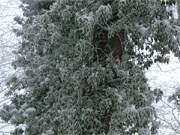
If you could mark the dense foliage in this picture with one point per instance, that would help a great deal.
(64, 90)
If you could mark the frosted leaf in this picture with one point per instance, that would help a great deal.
(24, 105)
(122, 0)
(25, 115)
(30, 110)
(16, 118)
(104, 13)
(89, 110)
(47, 80)
(48, 132)
(144, 131)
(142, 29)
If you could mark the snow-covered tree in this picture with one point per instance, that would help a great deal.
(73, 83)
(178, 9)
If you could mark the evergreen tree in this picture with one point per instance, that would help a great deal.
(72, 86)
(178, 10)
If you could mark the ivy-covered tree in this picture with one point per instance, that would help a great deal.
(72, 82)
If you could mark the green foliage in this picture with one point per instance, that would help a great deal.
(64, 91)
